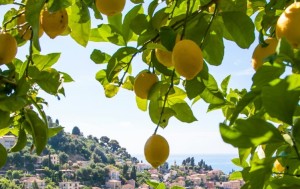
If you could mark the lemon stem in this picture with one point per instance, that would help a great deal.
(12, 19)
(186, 18)
(29, 59)
(165, 101)
(209, 25)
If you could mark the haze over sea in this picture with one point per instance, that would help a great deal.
(217, 161)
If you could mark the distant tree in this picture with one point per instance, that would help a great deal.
(57, 122)
(184, 162)
(114, 145)
(16, 174)
(76, 131)
(125, 171)
(63, 157)
(104, 139)
(192, 162)
(96, 139)
(90, 137)
(133, 173)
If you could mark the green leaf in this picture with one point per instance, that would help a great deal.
(245, 101)
(54, 131)
(194, 87)
(280, 101)
(128, 83)
(49, 79)
(80, 23)
(4, 2)
(265, 74)
(66, 77)
(21, 142)
(243, 36)
(3, 157)
(33, 9)
(224, 84)
(116, 22)
(110, 90)
(183, 112)
(99, 57)
(119, 60)
(107, 33)
(137, 1)
(45, 61)
(159, 67)
(4, 119)
(12, 103)
(55, 5)
(156, 114)
(138, 9)
(296, 130)
(39, 130)
(142, 104)
(249, 133)
(139, 24)
(211, 94)
(213, 49)
(237, 175)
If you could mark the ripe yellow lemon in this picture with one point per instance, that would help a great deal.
(156, 150)
(24, 30)
(164, 57)
(110, 7)
(288, 25)
(187, 58)
(278, 167)
(260, 53)
(54, 23)
(8, 47)
(143, 84)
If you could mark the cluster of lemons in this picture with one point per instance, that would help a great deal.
(52, 23)
(287, 27)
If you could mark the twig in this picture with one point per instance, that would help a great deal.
(209, 25)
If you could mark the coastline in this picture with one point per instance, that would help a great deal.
(217, 161)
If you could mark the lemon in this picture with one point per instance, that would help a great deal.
(156, 150)
(187, 58)
(288, 25)
(260, 52)
(8, 47)
(110, 7)
(164, 57)
(54, 23)
(25, 30)
(143, 84)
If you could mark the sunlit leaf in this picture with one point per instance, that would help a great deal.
(54, 131)
(80, 23)
(110, 90)
(4, 2)
(33, 9)
(55, 5)
(39, 130)
(183, 112)
(45, 61)
(66, 77)
(235, 175)
(142, 104)
(224, 84)
(107, 33)
(99, 57)
(243, 36)
(12, 103)
(128, 83)
(249, 133)
(21, 142)
(128, 18)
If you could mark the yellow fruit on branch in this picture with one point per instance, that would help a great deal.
(260, 53)
(110, 7)
(24, 29)
(187, 58)
(288, 25)
(8, 48)
(164, 57)
(54, 23)
(156, 150)
(143, 83)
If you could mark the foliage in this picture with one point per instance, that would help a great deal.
(262, 123)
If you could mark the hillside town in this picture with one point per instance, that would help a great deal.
(186, 176)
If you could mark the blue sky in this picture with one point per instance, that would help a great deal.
(86, 106)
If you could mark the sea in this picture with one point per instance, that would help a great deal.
(217, 161)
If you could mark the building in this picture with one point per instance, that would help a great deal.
(29, 181)
(233, 184)
(8, 141)
(54, 158)
(113, 184)
(68, 185)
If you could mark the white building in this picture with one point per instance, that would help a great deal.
(8, 141)
(68, 185)
(28, 182)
